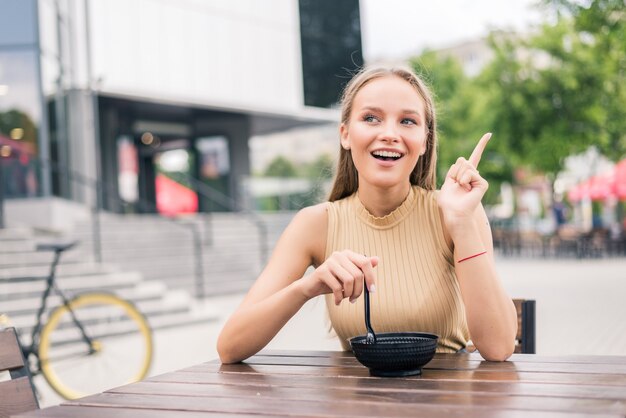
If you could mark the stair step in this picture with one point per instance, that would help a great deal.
(15, 233)
(143, 291)
(37, 258)
(164, 251)
(76, 284)
(161, 319)
(150, 308)
(181, 320)
(25, 273)
(16, 246)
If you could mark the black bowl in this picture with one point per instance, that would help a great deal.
(395, 354)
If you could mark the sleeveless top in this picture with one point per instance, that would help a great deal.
(417, 289)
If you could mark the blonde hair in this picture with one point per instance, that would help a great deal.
(346, 180)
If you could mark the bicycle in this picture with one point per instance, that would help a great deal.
(85, 336)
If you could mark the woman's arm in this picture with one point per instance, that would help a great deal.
(275, 296)
(491, 315)
(280, 291)
(490, 312)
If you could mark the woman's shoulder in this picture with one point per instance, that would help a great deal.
(314, 213)
(311, 224)
(311, 219)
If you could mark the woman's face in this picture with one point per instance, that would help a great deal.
(386, 132)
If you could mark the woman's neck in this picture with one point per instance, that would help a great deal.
(380, 202)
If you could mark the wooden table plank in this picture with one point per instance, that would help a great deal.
(372, 398)
(437, 374)
(334, 384)
(533, 358)
(75, 411)
(410, 385)
(451, 363)
(269, 406)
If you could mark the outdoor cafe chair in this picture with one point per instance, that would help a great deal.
(17, 395)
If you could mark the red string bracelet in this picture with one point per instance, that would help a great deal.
(471, 256)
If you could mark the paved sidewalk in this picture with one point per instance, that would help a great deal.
(580, 303)
(580, 310)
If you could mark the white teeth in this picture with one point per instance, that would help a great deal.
(387, 154)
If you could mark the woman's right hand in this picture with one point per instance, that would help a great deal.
(342, 274)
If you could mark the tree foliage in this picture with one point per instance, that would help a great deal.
(544, 97)
(320, 169)
(14, 118)
(562, 90)
(463, 116)
(281, 167)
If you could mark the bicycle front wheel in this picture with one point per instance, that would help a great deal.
(117, 349)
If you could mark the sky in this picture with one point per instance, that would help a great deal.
(395, 29)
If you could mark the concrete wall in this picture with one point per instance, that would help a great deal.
(229, 54)
(46, 213)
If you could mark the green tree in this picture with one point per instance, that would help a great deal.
(322, 168)
(463, 116)
(544, 97)
(14, 118)
(280, 167)
(568, 93)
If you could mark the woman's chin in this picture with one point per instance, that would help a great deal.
(385, 182)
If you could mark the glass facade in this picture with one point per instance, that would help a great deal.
(67, 118)
(213, 165)
(35, 74)
(56, 72)
(20, 99)
(330, 34)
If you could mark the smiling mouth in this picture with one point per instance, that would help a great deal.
(386, 155)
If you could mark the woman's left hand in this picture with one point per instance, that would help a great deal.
(463, 188)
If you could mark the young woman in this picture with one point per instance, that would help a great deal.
(426, 255)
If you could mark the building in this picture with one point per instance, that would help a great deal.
(100, 97)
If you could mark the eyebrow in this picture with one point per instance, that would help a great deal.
(404, 111)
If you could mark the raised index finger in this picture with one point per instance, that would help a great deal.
(474, 159)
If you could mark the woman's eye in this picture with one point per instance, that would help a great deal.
(409, 121)
(370, 118)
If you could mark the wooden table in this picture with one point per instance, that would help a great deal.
(324, 383)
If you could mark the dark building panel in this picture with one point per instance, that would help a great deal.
(330, 34)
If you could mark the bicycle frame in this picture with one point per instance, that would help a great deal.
(33, 348)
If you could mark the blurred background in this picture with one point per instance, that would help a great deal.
(176, 139)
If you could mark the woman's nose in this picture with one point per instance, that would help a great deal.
(390, 133)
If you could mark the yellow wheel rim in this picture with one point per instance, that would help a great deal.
(81, 301)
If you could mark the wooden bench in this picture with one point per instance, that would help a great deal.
(17, 395)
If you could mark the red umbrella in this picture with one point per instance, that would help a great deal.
(580, 191)
(620, 180)
(573, 194)
(602, 186)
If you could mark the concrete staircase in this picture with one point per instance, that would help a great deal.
(163, 250)
(22, 279)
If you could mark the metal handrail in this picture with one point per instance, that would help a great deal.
(106, 191)
(227, 202)
(99, 188)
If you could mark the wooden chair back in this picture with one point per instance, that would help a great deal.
(525, 339)
(17, 395)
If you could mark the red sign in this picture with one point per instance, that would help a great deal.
(173, 198)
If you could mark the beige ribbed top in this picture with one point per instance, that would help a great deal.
(417, 288)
